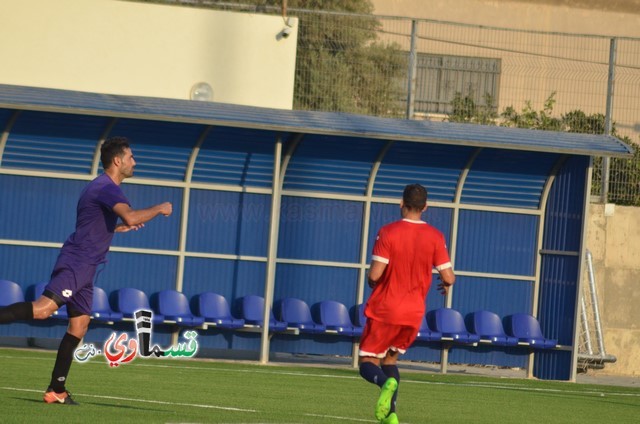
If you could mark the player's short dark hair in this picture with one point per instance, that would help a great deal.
(414, 197)
(112, 147)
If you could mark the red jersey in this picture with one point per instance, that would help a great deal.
(411, 249)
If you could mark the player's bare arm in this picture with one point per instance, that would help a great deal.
(447, 278)
(134, 218)
(375, 272)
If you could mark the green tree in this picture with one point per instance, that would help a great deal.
(465, 110)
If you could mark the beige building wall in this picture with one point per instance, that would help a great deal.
(613, 237)
(535, 65)
(129, 48)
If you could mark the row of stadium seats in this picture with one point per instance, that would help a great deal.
(295, 316)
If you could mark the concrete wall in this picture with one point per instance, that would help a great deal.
(613, 237)
(120, 47)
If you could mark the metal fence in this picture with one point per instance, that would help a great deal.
(426, 69)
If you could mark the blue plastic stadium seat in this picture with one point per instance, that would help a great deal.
(215, 310)
(296, 313)
(488, 326)
(10, 293)
(128, 300)
(335, 316)
(101, 310)
(526, 329)
(61, 313)
(175, 307)
(360, 317)
(450, 323)
(252, 307)
(426, 334)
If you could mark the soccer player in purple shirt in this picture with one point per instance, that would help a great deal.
(100, 205)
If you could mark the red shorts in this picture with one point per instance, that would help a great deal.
(379, 337)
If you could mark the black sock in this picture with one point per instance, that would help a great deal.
(372, 373)
(392, 371)
(68, 345)
(20, 311)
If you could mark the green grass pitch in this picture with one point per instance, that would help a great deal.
(205, 391)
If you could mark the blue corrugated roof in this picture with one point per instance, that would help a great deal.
(337, 124)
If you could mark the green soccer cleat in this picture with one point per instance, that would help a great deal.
(384, 401)
(391, 419)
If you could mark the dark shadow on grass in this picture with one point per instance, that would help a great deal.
(81, 403)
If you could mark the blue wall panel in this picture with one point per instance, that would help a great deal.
(161, 149)
(503, 297)
(229, 222)
(53, 142)
(558, 286)
(26, 265)
(332, 164)
(236, 156)
(437, 167)
(38, 209)
(563, 226)
(508, 178)
(496, 242)
(149, 273)
(5, 115)
(229, 278)
(320, 229)
(159, 233)
(316, 283)
(559, 279)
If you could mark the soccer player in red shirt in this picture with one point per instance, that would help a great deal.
(404, 254)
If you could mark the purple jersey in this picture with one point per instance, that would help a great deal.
(95, 222)
(73, 274)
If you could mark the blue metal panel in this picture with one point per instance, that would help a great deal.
(316, 283)
(484, 355)
(564, 216)
(558, 287)
(332, 164)
(5, 114)
(38, 209)
(27, 265)
(159, 233)
(508, 178)
(228, 222)
(559, 279)
(229, 278)
(435, 166)
(161, 149)
(384, 213)
(236, 156)
(344, 124)
(53, 142)
(503, 297)
(496, 242)
(149, 273)
(320, 229)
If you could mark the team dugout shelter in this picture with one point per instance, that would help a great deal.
(281, 203)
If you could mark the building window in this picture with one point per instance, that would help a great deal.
(440, 77)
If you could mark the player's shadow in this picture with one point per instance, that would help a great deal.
(107, 405)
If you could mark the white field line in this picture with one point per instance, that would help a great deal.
(158, 402)
(274, 371)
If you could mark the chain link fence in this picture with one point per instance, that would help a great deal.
(425, 69)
